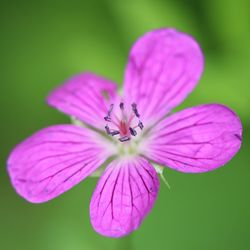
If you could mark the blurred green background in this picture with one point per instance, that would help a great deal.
(45, 42)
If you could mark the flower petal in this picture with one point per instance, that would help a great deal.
(55, 159)
(125, 194)
(86, 97)
(197, 139)
(163, 68)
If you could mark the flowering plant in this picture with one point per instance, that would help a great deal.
(123, 137)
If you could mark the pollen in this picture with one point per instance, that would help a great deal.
(123, 121)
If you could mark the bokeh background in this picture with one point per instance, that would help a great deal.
(45, 42)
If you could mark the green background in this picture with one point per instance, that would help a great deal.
(45, 42)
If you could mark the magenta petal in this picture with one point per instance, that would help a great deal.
(86, 97)
(124, 195)
(197, 139)
(163, 68)
(53, 160)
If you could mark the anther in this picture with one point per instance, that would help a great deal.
(116, 132)
(122, 106)
(107, 118)
(132, 131)
(134, 108)
(107, 129)
(110, 109)
(140, 125)
(123, 139)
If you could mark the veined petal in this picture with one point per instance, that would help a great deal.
(163, 68)
(86, 97)
(55, 159)
(197, 139)
(124, 195)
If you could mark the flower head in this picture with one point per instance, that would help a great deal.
(135, 130)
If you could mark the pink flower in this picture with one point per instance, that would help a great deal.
(126, 135)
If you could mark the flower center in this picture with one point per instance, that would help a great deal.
(124, 122)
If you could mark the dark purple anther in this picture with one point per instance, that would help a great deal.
(140, 125)
(110, 109)
(133, 105)
(136, 113)
(116, 132)
(107, 129)
(134, 108)
(122, 106)
(107, 119)
(132, 131)
(123, 139)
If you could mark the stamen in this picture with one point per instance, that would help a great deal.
(134, 108)
(116, 132)
(140, 124)
(122, 106)
(124, 124)
(132, 131)
(107, 129)
(107, 119)
(123, 139)
(110, 109)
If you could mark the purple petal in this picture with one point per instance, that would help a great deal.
(163, 68)
(86, 97)
(197, 139)
(55, 159)
(125, 194)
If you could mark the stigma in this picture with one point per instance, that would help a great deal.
(123, 121)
